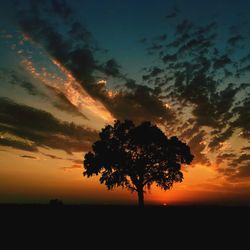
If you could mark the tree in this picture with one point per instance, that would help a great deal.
(134, 157)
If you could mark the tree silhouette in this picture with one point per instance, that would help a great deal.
(134, 157)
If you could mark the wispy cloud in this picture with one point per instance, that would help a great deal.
(70, 168)
(29, 157)
(38, 128)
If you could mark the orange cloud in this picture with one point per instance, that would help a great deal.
(68, 86)
(75, 166)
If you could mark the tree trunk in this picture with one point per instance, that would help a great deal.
(140, 197)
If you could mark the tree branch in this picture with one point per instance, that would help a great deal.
(147, 181)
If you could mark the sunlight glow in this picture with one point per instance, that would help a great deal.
(167, 106)
(69, 87)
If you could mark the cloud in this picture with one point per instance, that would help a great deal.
(53, 96)
(8, 142)
(200, 69)
(241, 159)
(80, 33)
(15, 78)
(234, 40)
(243, 117)
(41, 129)
(75, 161)
(173, 13)
(54, 157)
(245, 59)
(221, 62)
(61, 102)
(244, 70)
(141, 104)
(184, 27)
(74, 52)
(203, 30)
(241, 173)
(245, 148)
(200, 44)
(221, 158)
(216, 141)
(81, 63)
(153, 48)
(237, 168)
(197, 145)
(111, 68)
(29, 157)
(61, 8)
(169, 58)
(155, 71)
(73, 167)
(191, 60)
(161, 38)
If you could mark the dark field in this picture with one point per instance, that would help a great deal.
(124, 226)
(123, 213)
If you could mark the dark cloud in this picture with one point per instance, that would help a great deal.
(245, 58)
(141, 104)
(169, 58)
(184, 27)
(112, 68)
(30, 88)
(57, 99)
(221, 62)
(75, 55)
(199, 69)
(186, 132)
(80, 34)
(238, 169)
(138, 103)
(41, 129)
(222, 137)
(192, 64)
(179, 40)
(220, 158)
(155, 71)
(235, 40)
(61, 102)
(161, 38)
(54, 157)
(154, 47)
(29, 157)
(15, 78)
(206, 29)
(244, 70)
(246, 148)
(200, 44)
(242, 158)
(197, 145)
(243, 117)
(77, 161)
(211, 108)
(80, 61)
(8, 142)
(242, 173)
(172, 14)
(61, 8)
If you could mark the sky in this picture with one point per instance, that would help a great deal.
(68, 68)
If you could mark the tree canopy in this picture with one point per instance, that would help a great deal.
(135, 157)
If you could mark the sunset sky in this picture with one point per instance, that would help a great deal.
(68, 68)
